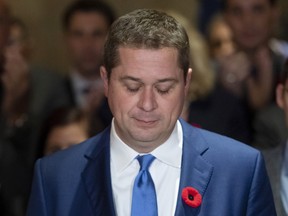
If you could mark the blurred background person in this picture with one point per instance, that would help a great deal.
(29, 95)
(86, 24)
(220, 39)
(63, 128)
(254, 68)
(208, 105)
(276, 158)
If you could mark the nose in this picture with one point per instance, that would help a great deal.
(147, 100)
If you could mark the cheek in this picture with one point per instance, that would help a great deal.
(118, 100)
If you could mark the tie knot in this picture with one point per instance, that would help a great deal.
(145, 161)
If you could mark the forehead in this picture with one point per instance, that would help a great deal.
(163, 56)
(88, 18)
(149, 63)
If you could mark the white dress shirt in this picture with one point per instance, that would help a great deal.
(79, 83)
(165, 172)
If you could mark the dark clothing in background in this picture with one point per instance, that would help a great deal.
(223, 113)
(19, 143)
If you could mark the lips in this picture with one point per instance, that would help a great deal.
(145, 122)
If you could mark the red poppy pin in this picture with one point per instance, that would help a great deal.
(191, 197)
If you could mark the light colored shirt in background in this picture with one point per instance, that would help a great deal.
(79, 84)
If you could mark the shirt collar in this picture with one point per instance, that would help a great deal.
(79, 82)
(170, 152)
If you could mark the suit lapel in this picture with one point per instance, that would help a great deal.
(97, 177)
(195, 171)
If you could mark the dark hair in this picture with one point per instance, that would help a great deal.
(224, 3)
(62, 116)
(150, 29)
(88, 6)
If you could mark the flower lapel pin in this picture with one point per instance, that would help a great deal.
(191, 197)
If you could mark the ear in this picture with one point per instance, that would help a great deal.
(104, 76)
(280, 95)
(188, 80)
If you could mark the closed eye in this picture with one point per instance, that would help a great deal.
(162, 91)
(133, 90)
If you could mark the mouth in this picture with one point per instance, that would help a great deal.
(145, 122)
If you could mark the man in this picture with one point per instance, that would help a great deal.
(254, 69)
(146, 77)
(276, 158)
(86, 24)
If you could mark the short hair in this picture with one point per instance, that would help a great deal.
(88, 6)
(224, 3)
(149, 29)
(61, 117)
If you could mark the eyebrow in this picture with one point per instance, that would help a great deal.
(139, 80)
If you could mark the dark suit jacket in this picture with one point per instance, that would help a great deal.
(230, 176)
(19, 145)
(223, 113)
(274, 158)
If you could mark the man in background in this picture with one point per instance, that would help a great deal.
(29, 94)
(254, 69)
(277, 158)
(85, 25)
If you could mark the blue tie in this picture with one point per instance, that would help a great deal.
(144, 201)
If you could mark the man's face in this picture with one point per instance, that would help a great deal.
(251, 22)
(146, 93)
(282, 98)
(85, 40)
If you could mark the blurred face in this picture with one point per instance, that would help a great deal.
(85, 41)
(17, 40)
(251, 22)
(146, 93)
(221, 41)
(282, 98)
(65, 136)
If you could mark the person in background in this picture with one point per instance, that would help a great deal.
(65, 127)
(30, 93)
(184, 170)
(208, 105)
(276, 158)
(254, 68)
(85, 25)
(220, 39)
